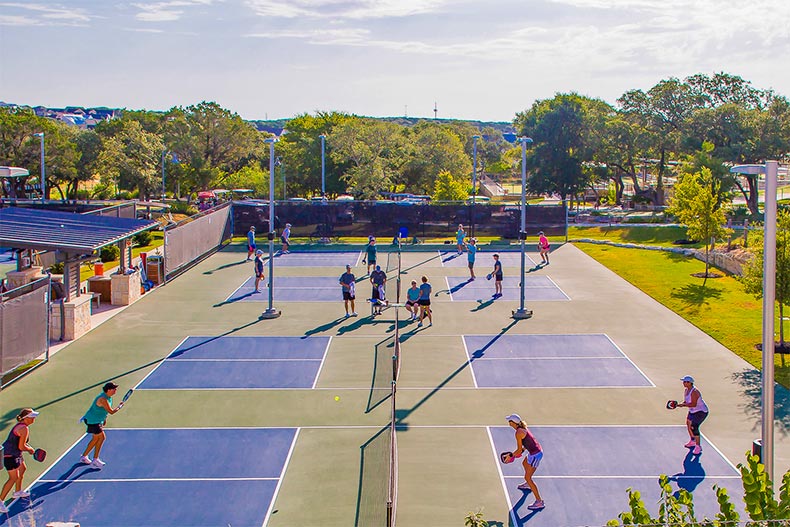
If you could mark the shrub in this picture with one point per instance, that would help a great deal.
(142, 239)
(56, 268)
(110, 253)
(182, 207)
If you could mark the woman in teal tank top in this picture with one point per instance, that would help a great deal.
(95, 418)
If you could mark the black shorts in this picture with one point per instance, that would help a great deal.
(411, 303)
(471, 265)
(259, 275)
(283, 240)
(696, 418)
(376, 294)
(95, 429)
(372, 262)
(12, 462)
(347, 296)
(424, 302)
(498, 277)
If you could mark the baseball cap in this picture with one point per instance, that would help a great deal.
(287, 224)
(513, 417)
(378, 268)
(110, 386)
(688, 378)
(259, 252)
(252, 227)
(27, 412)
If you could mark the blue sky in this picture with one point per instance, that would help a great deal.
(474, 59)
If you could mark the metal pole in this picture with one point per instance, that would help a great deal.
(474, 184)
(271, 312)
(164, 153)
(40, 135)
(323, 165)
(522, 312)
(769, 299)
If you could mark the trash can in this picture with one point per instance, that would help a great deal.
(98, 269)
(154, 268)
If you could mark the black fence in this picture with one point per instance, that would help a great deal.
(338, 219)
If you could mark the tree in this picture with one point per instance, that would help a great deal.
(432, 148)
(131, 158)
(374, 150)
(448, 188)
(752, 278)
(696, 206)
(561, 129)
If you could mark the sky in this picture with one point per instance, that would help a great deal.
(272, 59)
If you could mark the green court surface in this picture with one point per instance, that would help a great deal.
(446, 464)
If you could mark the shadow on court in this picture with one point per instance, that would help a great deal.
(142, 367)
(751, 387)
(323, 327)
(226, 266)
(692, 475)
(237, 298)
(482, 305)
(41, 491)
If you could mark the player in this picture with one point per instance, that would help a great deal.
(543, 247)
(412, 296)
(498, 276)
(285, 238)
(95, 419)
(425, 302)
(378, 279)
(250, 242)
(370, 253)
(13, 461)
(471, 252)
(526, 441)
(698, 412)
(459, 238)
(347, 281)
(258, 270)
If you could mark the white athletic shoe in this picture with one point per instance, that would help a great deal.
(98, 463)
(85, 460)
(22, 494)
(354, 314)
(3, 508)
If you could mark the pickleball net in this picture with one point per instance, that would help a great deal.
(378, 489)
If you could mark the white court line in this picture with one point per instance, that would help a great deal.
(629, 360)
(280, 479)
(469, 362)
(552, 358)
(161, 362)
(513, 518)
(653, 477)
(359, 258)
(237, 289)
(148, 480)
(244, 360)
(558, 287)
(323, 359)
(449, 289)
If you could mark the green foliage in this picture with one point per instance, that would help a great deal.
(109, 253)
(142, 239)
(475, 519)
(448, 188)
(758, 490)
(57, 268)
(182, 207)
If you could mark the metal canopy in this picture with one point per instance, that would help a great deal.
(22, 228)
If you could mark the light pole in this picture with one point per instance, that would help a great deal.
(40, 135)
(771, 171)
(323, 165)
(270, 311)
(474, 184)
(164, 153)
(522, 312)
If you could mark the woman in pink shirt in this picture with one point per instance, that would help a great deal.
(543, 247)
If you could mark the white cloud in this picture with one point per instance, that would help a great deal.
(168, 11)
(40, 14)
(351, 9)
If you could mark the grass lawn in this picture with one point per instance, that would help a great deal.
(721, 308)
(663, 236)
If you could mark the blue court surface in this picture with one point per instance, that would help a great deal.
(548, 361)
(240, 363)
(484, 261)
(165, 477)
(586, 470)
(295, 289)
(314, 259)
(535, 288)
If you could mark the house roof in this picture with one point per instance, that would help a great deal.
(27, 228)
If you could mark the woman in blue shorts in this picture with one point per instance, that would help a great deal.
(526, 441)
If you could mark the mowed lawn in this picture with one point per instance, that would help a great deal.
(720, 308)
